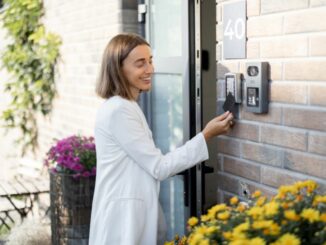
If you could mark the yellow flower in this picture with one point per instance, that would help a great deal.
(261, 201)
(271, 208)
(256, 194)
(287, 189)
(288, 239)
(310, 214)
(310, 185)
(227, 235)
(319, 199)
(323, 217)
(255, 212)
(260, 224)
(234, 200)
(240, 242)
(241, 207)
(291, 215)
(193, 221)
(204, 242)
(204, 218)
(257, 241)
(224, 215)
(195, 238)
(212, 211)
(212, 229)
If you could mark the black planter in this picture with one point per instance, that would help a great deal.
(71, 204)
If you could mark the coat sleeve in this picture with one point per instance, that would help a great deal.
(129, 132)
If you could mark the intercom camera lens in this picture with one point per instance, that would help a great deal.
(252, 71)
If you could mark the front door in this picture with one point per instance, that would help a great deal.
(167, 107)
(183, 96)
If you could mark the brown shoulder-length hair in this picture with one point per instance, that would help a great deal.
(111, 80)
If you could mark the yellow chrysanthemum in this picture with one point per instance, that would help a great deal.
(204, 218)
(310, 214)
(204, 242)
(319, 199)
(261, 201)
(212, 229)
(261, 224)
(240, 242)
(310, 185)
(255, 212)
(241, 207)
(271, 208)
(195, 238)
(323, 217)
(212, 211)
(234, 200)
(257, 241)
(227, 235)
(287, 189)
(291, 215)
(224, 215)
(288, 239)
(256, 194)
(193, 221)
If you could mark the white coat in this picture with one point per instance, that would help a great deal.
(126, 210)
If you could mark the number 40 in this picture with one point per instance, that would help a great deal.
(235, 28)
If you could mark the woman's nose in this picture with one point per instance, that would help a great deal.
(150, 68)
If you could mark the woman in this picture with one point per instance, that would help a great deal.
(126, 209)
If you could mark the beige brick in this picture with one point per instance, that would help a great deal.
(245, 131)
(268, 6)
(305, 70)
(219, 32)
(276, 71)
(274, 115)
(317, 143)
(305, 118)
(253, 49)
(317, 94)
(309, 20)
(284, 47)
(228, 146)
(218, 13)
(289, 92)
(227, 183)
(265, 190)
(318, 45)
(306, 163)
(253, 7)
(314, 3)
(224, 67)
(279, 136)
(276, 177)
(241, 168)
(257, 27)
(262, 153)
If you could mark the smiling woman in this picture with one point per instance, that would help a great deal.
(126, 208)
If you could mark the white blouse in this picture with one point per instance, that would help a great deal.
(126, 210)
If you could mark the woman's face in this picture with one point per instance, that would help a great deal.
(138, 69)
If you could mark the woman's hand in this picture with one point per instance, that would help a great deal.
(218, 125)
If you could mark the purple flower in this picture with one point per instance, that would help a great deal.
(74, 155)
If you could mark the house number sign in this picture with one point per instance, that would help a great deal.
(234, 30)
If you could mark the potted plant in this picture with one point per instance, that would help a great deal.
(72, 168)
(296, 215)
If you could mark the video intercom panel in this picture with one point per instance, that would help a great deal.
(256, 76)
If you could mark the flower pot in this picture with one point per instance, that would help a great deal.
(71, 204)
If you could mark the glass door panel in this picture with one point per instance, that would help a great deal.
(168, 102)
(167, 127)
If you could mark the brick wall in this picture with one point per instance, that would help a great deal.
(288, 144)
(85, 28)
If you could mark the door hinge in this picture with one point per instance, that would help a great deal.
(142, 10)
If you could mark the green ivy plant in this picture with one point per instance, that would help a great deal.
(30, 59)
